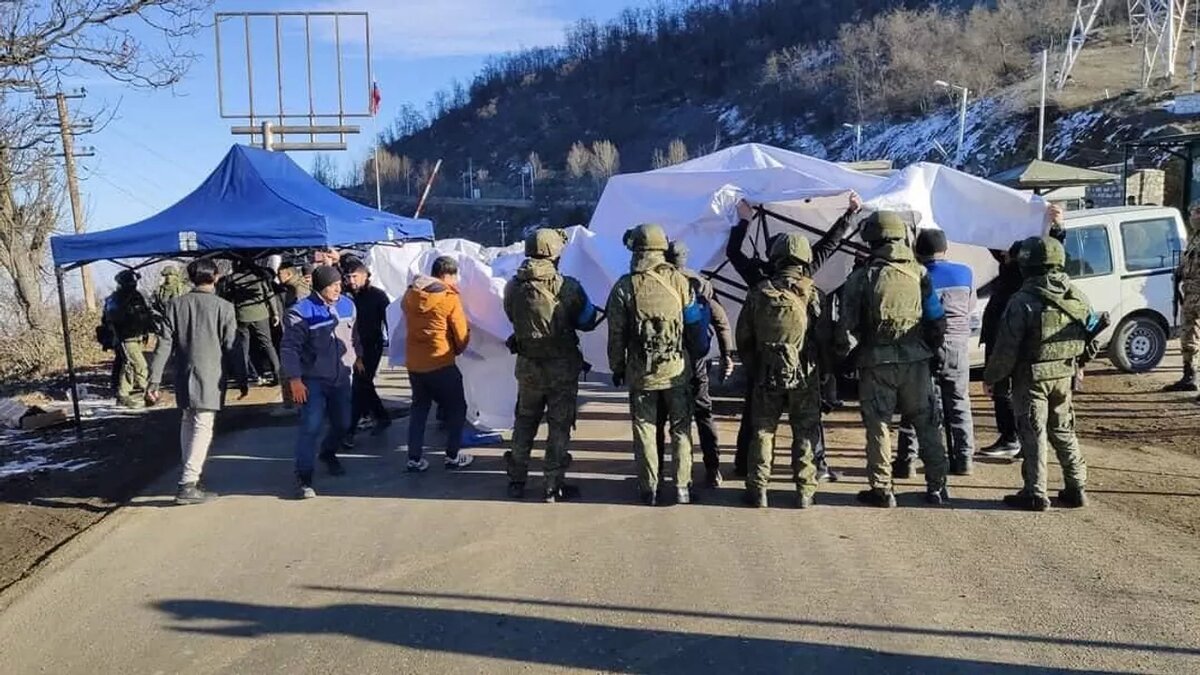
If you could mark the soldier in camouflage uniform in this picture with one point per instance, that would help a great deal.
(172, 286)
(647, 312)
(545, 308)
(1187, 285)
(1044, 332)
(128, 316)
(889, 308)
(777, 337)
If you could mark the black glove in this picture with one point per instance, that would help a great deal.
(618, 380)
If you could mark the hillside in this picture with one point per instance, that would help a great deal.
(658, 86)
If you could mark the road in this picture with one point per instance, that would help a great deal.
(439, 573)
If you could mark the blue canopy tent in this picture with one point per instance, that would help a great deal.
(254, 201)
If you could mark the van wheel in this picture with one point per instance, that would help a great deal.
(1138, 344)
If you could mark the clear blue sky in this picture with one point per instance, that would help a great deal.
(162, 144)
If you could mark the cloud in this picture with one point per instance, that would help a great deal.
(423, 29)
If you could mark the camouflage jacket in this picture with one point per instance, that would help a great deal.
(628, 355)
(571, 311)
(813, 350)
(1043, 331)
(1187, 274)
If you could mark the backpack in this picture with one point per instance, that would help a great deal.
(894, 308)
(781, 325)
(697, 326)
(658, 321)
(540, 325)
(130, 315)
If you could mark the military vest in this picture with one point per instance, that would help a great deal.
(540, 322)
(1061, 335)
(130, 315)
(781, 326)
(658, 321)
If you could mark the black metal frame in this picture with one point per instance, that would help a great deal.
(243, 254)
(1171, 145)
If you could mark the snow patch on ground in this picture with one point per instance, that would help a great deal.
(35, 463)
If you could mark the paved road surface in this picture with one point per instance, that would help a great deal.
(438, 573)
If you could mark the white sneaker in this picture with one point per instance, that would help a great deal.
(462, 461)
(417, 465)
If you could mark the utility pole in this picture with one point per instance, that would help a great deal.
(1042, 107)
(68, 152)
(962, 116)
(857, 139)
(503, 239)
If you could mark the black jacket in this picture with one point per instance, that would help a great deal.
(1003, 287)
(755, 271)
(371, 304)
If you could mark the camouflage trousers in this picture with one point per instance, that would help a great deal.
(1046, 419)
(803, 408)
(644, 407)
(906, 388)
(547, 388)
(133, 371)
(1189, 329)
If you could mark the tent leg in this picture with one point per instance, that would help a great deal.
(66, 328)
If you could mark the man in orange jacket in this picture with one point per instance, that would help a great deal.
(436, 333)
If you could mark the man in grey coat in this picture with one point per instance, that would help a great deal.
(200, 329)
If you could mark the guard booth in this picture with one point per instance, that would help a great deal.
(1185, 147)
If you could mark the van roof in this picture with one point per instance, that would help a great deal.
(1088, 213)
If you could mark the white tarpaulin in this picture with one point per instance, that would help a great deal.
(696, 203)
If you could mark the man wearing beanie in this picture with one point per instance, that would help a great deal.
(320, 352)
(954, 284)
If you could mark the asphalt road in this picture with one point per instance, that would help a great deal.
(439, 573)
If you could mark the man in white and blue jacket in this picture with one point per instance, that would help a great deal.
(320, 353)
(954, 285)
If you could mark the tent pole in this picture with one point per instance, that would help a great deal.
(66, 328)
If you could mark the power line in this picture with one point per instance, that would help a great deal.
(126, 192)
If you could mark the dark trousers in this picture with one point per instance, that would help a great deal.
(366, 399)
(444, 387)
(1002, 404)
(701, 413)
(745, 436)
(326, 403)
(258, 333)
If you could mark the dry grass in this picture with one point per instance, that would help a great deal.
(28, 356)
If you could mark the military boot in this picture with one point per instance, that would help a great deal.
(1027, 502)
(1073, 498)
(516, 490)
(804, 501)
(648, 497)
(1185, 383)
(939, 497)
(756, 498)
(712, 478)
(683, 495)
(562, 493)
(884, 499)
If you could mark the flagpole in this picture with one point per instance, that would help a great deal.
(378, 189)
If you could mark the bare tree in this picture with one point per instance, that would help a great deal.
(579, 159)
(535, 166)
(136, 42)
(677, 152)
(605, 162)
(324, 170)
(405, 167)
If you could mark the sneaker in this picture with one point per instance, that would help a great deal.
(516, 490)
(304, 489)
(755, 498)
(939, 497)
(826, 474)
(192, 493)
(712, 478)
(804, 501)
(417, 465)
(902, 469)
(683, 496)
(960, 466)
(1027, 502)
(334, 466)
(884, 499)
(1003, 447)
(1073, 498)
(460, 461)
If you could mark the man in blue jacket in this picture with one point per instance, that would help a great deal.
(954, 284)
(320, 352)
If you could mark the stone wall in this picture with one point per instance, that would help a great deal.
(1146, 186)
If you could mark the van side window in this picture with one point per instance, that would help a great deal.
(1150, 244)
(1089, 253)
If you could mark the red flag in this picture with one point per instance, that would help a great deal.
(375, 98)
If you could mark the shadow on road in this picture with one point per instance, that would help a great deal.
(589, 646)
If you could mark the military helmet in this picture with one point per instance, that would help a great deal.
(677, 253)
(646, 237)
(1039, 252)
(170, 271)
(789, 248)
(127, 278)
(545, 243)
(883, 226)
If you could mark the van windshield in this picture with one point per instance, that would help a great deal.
(1150, 244)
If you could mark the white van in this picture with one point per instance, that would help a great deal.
(1122, 259)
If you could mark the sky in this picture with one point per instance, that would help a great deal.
(161, 144)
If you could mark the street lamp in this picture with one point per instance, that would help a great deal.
(857, 138)
(962, 115)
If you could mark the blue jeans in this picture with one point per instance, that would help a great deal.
(325, 402)
(444, 386)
